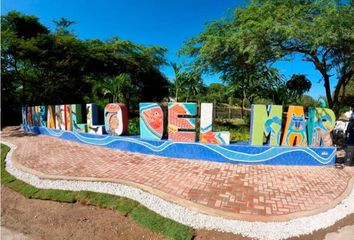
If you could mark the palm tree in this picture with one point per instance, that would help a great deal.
(118, 88)
(179, 78)
(193, 83)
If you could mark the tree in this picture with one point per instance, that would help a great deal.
(40, 67)
(62, 26)
(298, 85)
(221, 49)
(180, 78)
(269, 30)
(118, 88)
(216, 92)
(193, 85)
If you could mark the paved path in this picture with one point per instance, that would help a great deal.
(250, 192)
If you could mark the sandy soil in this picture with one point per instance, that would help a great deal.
(23, 218)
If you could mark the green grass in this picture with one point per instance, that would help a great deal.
(126, 206)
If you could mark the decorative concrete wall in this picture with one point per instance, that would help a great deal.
(233, 153)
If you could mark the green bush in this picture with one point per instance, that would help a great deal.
(239, 132)
(133, 127)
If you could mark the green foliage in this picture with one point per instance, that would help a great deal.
(243, 48)
(239, 132)
(40, 67)
(216, 92)
(308, 101)
(123, 205)
(133, 127)
(187, 85)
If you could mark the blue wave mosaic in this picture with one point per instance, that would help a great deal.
(237, 153)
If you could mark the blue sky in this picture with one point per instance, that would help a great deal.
(149, 22)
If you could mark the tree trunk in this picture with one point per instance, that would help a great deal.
(214, 109)
(328, 90)
(342, 82)
(243, 103)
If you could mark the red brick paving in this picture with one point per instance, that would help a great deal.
(245, 189)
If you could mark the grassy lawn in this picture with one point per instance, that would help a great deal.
(126, 206)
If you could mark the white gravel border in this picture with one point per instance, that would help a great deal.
(257, 230)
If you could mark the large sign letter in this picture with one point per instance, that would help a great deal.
(92, 119)
(35, 115)
(77, 123)
(43, 116)
(151, 121)
(320, 124)
(51, 116)
(181, 117)
(295, 129)
(206, 127)
(60, 117)
(266, 122)
(116, 118)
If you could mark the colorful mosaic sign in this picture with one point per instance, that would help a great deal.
(302, 142)
(266, 123)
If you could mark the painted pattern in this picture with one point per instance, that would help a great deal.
(295, 129)
(180, 119)
(116, 118)
(92, 119)
(35, 115)
(68, 121)
(320, 124)
(266, 122)
(206, 127)
(76, 119)
(43, 116)
(151, 121)
(29, 116)
(60, 117)
(24, 116)
(51, 116)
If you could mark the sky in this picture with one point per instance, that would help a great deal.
(167, 23)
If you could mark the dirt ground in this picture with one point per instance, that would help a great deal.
(28, 219)
(39, 219)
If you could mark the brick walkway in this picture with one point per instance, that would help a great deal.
(249, 190)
